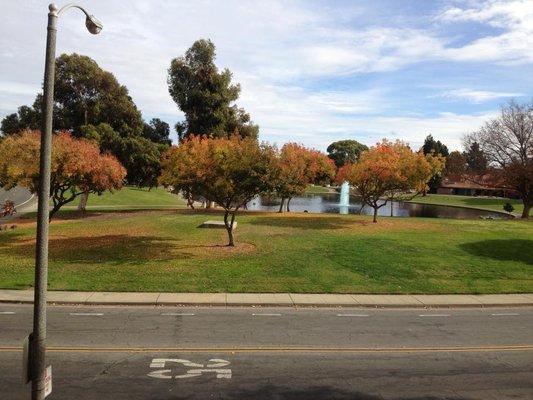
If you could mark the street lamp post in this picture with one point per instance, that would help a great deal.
(38, 338)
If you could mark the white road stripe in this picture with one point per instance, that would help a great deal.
(353, 315)
(502, 314)
(87, 314)
(267, 315)
(167, 314)
(7, 312)
(434, 315)
(21, 204)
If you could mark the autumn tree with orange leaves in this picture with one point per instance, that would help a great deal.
(77, 167)
(297, 168)
(388, 171)
(229, 171)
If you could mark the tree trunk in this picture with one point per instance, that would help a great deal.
(527, 209)
(375, 219)
(209, 204)
(82, 206)
(281, 205)
(190, 200)
(391, 209)
(229, 227)
(288, 202)
(53, 212)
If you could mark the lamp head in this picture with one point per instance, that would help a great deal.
(93, 25)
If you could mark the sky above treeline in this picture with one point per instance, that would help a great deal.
(310, 71)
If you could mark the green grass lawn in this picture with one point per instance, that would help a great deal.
(165, 251)
(317, 189)
(486, 203)
(132, 198)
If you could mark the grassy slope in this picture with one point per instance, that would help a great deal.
(132, 197)
(165, 251)
(317, 189)
(470, 201)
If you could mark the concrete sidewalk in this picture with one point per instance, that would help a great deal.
(271, 299)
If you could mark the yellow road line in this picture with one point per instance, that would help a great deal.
(467, 349)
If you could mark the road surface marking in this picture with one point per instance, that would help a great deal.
(172, 314)
(502, 314)
(220, 373)
(434, 315)
(160, 374)
(353, 315)
(198, 369)
(217, 363)
(21, 204)
(267, 315)
(86, 314)
(160, 363)
(7, 312)
(232, 350)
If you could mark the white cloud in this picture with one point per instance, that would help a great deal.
(289, 114)
(514, 45)
(375, 49)
(14, 94)
(477, 96)
(281, 52)
(497, 13)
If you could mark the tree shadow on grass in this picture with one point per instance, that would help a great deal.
(305, 222)
(108, 248)
(520, 250)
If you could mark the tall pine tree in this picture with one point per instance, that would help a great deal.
(206, 95)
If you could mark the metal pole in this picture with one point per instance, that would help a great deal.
(38, 342)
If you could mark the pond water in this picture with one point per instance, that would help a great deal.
(329, 203)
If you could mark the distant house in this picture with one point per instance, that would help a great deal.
(464, 187)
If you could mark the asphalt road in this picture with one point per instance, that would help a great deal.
(23, 199)
(276, 353)
(18, 195)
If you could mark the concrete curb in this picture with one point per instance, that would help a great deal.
(271, 299)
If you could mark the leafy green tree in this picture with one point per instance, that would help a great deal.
(157, 131)
(90, 103)
(508, 207)
(476, 159)
(206, 96)
(345, 151)
(139, 155)
(87, 94)
(26, 118)
(436, 147)
(84, 94)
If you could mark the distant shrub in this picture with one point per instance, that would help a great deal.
(508, 207)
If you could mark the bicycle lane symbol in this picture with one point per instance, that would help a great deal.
(214, 366)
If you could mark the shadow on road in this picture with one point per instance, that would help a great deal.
(520, 250)
(272, 392)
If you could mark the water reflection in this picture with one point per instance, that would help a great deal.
(329, 203)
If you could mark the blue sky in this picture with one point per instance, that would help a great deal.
(311, 71)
